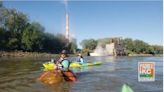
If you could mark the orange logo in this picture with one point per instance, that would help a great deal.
(146, 71)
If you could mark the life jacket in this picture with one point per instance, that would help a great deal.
(67, 74)
(80, 60)
(65, 64)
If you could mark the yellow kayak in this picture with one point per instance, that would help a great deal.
(76, 64)
(51, 66)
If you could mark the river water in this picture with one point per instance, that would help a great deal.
(19, 75)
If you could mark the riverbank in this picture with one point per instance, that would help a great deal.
(158, 55)
(48, 55)
(26, 54)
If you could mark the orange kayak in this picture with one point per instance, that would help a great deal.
(56, 76)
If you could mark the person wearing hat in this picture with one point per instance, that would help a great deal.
(80, 59)
(63, 66)
(63, 63)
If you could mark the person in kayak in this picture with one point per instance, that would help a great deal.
(63, 63)
(61, 71)
(80, 59)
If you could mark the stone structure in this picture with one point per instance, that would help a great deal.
(115, 47)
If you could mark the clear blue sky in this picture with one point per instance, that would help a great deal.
(98, 19)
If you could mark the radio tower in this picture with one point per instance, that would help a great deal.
(67, 27)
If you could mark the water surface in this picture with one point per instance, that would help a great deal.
(19, 75)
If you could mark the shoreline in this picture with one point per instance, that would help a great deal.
(146, 55)
(47, 55)
(26, 54)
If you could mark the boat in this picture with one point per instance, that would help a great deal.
(126, 88)
(50, 65)
(56, 76)
(76, 64)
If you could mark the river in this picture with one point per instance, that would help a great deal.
(19, 75)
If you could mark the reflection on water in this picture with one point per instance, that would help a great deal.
(19, 75)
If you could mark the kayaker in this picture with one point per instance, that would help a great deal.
(63, 63)
(80, 59)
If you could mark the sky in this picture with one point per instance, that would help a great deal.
(98, 19)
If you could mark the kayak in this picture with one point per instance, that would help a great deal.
(51, 65)
(76, 64)
(51, 77)
(126, 88)
(55, 76)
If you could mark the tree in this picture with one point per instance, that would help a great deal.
(157, 49)
(140, 46)
(2, 39)
(129, 44)
(1, 4)
(17, 33)
(54, 43)
(13, 23)
(32, 37)
(89, 44)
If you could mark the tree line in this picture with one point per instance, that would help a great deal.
(131, 46)
(18, 33)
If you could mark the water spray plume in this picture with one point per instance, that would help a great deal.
(99, 51)
(66, 5)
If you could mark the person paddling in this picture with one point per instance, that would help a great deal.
(62, 69)
(63, 64)
(80, 59)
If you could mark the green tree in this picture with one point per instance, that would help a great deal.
(32, 37)
(13, 23)
(150, 50)
(54, 43)
(129, 44)
(157, 49)
(140, 46)
(1, 4)
(89, 44)
(17, 33)
(2, 39)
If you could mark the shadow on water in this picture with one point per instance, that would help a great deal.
(19, 75)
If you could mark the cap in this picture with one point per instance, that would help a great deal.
(63, 52)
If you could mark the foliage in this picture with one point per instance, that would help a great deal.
(17, 33)
(32, 37)
(1, 4)
(132, 46)
(140, 47)
(157, 49)
(89, 44)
